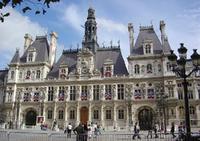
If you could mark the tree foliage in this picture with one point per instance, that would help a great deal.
(38, 6)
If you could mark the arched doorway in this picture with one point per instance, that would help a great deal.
(84, 115)
(30, 118)
(145, 117)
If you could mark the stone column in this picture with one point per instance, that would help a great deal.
(66, 114)
(198, 114)
(102, 116)
(114, 91)
(78, 114)
(102, 92)
(78, 92)
(90, 92)
(177, 113)
(90, 113)
(114, 116)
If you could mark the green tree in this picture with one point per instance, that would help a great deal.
(38, 6)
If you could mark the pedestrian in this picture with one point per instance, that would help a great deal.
(136, 131)
(149, 132)
(173, 130)
(54, 124)
(181, 131)
(85, 134)
(79, 132)
(69, 130)
(156, 130)
(89, 131)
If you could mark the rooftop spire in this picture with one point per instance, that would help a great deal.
(91, 14)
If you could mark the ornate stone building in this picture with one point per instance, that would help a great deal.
(92, 84)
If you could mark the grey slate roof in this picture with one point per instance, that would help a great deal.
(42, 49)
(16, 57)
(70, 58)
(3, 74)
(166, 47)
(113, 54)
(147, 33)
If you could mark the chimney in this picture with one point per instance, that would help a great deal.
(131, 37)
(53, 44)
(27, 41)
(162, 30)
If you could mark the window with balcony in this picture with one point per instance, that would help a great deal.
(61, 93)
(108, 92)
(72, 93)
(84, 92)
(96, 114)
(96, 92)
(120, 114)
(108, 114)
(50, 93)
(120, 91)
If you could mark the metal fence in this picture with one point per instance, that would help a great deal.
(58, 136)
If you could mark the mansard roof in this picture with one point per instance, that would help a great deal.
(69, 58)
(42, 49)
(16, 57)
(147, 33)
(3, 74)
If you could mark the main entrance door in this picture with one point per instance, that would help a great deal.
(145, 117)
(31, 118)
(84, 115)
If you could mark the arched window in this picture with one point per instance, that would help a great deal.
(38, 74)
(168, 66)
(137, 69)
(120, 114)
(148, 49)
(159, 68)
(60, 114)
(30, 57)
(149, 68)
(12, 74)
(28, 74)
(192, 110)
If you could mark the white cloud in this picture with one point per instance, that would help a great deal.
(12, 34)
(108, 30)
(72, 16)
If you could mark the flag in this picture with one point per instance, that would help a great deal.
(108, 96)
(36, 97)
(151, 94)
(61, 96)
(137, 94)
(83, 96)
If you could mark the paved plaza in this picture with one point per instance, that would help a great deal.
(37, 135)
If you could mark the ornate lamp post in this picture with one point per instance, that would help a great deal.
(179, 68)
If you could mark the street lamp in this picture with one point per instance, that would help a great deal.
(179, 68)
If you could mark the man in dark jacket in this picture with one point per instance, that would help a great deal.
(79, 132)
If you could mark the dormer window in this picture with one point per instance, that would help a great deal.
(38, 74)
(137, 69)
(28, 74)
(149, 68)
(148, 49)
(108, 68)
(30, 57)
(12, 74)
(63, 71)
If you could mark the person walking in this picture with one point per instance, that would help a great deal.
(54, 124)
(150, 132)
(136, 131)
(79, 132)
(156, 130)
(69, 130)
(173, 130)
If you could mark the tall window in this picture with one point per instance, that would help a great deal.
(108, 92)
(28, 74)
(151, 94)
(20, 75)
(60, 114)
(10, 96)
(72, 95)
(171, 91)
(30, 57)
(120, 114)
(72, 114)
(96, 92)
(96, 114)
(181, 110)
(61, 94)
(36, 96)
(190, 94)
(149, 68)
(148, 49)
(180, 94)
(159, 68)
(137, 69)
(120, 91)
(168, 66)
(50, 93)
(84, 92)
(27, 97)
(49, 114)
(12, 74)
(108, 114)
(192, 110)
(38, 74)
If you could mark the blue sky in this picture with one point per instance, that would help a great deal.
(182, 18)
